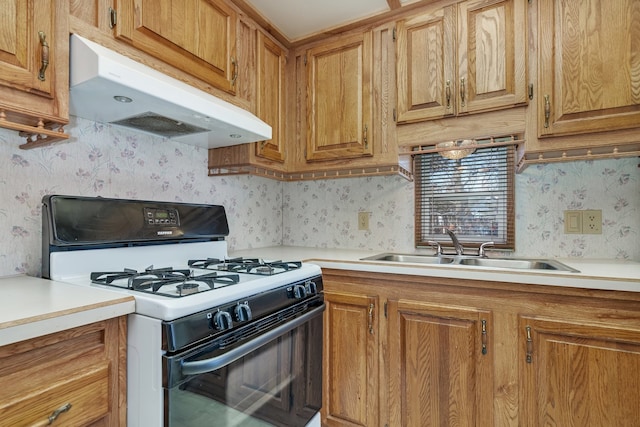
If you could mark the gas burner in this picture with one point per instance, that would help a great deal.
(246, 265)
(164, 281)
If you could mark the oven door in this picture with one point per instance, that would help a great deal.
(268, 374)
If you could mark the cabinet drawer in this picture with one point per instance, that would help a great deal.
(87, 391)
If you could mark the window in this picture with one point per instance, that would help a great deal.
(472, 196)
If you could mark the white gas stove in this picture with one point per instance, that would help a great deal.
(201, 318)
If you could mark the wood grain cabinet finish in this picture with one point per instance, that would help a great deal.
(465, 58)
(440, 364)
(339, 98)
(72, 378)
(195, 36)
(350, 355)
(34, 53)
(588, 66)
(271, 97)
(447, 352)
(575, 373)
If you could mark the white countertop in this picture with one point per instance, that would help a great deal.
(31, 307)
(601, 274)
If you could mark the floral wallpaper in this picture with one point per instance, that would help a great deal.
(324, 213)
(108, 161)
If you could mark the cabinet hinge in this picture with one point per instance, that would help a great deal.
(385, 309)
(113, 18)
(530, 90)
(394, 34)
(305, 59)
(395, 117)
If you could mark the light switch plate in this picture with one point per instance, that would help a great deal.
(572, 222)
(363, 220)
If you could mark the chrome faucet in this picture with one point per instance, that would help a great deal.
(456, 243)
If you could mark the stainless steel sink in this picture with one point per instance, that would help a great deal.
(511, 263)
(521, 264)
(419, 259)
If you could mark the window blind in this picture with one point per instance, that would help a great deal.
(472, 196)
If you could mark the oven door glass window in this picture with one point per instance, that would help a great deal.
(279, 384)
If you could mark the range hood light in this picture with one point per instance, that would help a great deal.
(123, 99)
(235, 135)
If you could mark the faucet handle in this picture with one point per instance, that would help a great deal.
(437, 245)
(482, 248)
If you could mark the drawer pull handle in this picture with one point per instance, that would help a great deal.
(57, 412)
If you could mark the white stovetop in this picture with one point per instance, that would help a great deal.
(594, 273)
(75, 267)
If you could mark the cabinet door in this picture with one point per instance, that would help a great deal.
(491, 55)
(589, 66)
(425, 54)
(576, 374)
(350, 354)
(440, 365)
(339, 99)
(271, 68)
(196, 36)
(25, 33)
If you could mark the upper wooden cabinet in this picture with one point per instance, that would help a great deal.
(339, 99)
(271, 97)
(465, 58)
(588, 66)
(33, 69)
(196, 36)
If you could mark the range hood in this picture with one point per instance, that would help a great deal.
(110, 88)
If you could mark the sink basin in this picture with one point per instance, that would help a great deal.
(521, 264)
(420, 259)
(512, 263)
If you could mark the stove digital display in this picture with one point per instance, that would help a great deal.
(164, 217)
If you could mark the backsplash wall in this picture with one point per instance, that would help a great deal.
(324, 213)
(108, 161)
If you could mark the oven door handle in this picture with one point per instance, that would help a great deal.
(201, 366)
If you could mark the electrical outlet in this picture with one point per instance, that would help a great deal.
(363, 220)
(592, 222)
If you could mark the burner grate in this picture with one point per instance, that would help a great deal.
(246, 265)
(164, 281)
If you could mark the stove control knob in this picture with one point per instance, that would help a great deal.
(242, 312)
(299, 291)
(311, 287)
(222, 321)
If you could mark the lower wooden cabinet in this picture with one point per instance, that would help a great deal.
(422, 351)
(350, 356)
(75, 377)
(440, 364)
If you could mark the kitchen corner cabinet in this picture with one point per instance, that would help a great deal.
(588, 67)
(75, 377)
(339, 98)
(465, 58)
(34, 78)
(438, 351)
(350, 378)
(195, 36)
(266, 89)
